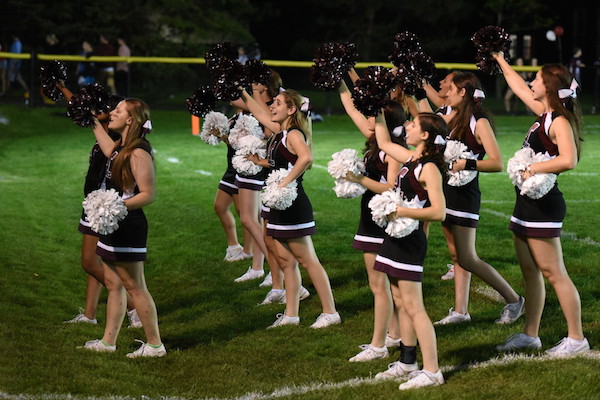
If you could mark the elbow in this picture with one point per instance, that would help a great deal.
(440, 215)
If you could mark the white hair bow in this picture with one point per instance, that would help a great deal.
(305, 107)
(439, 140)
(398, 131)
(147, 127)
(570, 92)
(478, 93)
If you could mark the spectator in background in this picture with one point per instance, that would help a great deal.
(596, 88)
(106, 70)
(3, 67)
(86, 70)
(14, 67)
(242, 56)
(576, 64)
(51, 46)
(122, 69)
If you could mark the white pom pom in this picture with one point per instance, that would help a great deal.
(348, 190)
(343, 162)
(536, 186)
(279, 198)
(386, 203)
(248, 145)
(245, 125)
(104, 209)
(402, 226)
(215, 125)
(456, 150)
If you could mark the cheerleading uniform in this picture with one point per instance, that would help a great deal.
(403, 258)
(369, 236)
(128, 242)
(463, 202)
(542, 217)
(296, 220)
(227, 182)
(93, 180)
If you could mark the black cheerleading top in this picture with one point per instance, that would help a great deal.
(540, 217)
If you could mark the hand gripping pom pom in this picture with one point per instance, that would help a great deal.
(257, 72)
(456, 150)
(248, 145)
(371, 91)
(245, 125)
(343, 162)
(229, 77)
(536, 186)
(345, 189)
(279, 198)
(89, 100)
(386, 203)
(201, 102)
(215, 125)
(104, 209)
(331, 62)
(50, 75)
(488, 40)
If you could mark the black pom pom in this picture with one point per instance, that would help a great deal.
(257, 72)
(414, 66)
(232, 76)
(89, 100)
(372, 90)
(219, 53)
(201, 102)
(331, 62)
(488, 40)
(50, 74)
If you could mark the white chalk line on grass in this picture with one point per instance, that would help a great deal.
(501, 360)
(570, 235)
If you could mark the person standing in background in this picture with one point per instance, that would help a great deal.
(576, 64)
(14, 67)
(122, 69)
(106, 70)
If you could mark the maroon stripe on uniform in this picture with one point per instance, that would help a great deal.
(534, 232)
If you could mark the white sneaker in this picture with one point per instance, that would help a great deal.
(134, 319)
(512, 312)
(250, 274)
(518, 341)
(391, 342)
(146, 350)
(232, 252)
(450, 274)
(568, 346)
(98, 345)
(397, 370)
(369, 353)
(81, 318)
(283, 319)
(304, 293)
(274, 296)
(325, 320)
(242, 255)
(453, 317)
(423, 378)
(268, 281)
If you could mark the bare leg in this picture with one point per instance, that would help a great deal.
(274, 267)
(249, 203)
(383, 305)
(222, 207)
(92, 264)
(462, 277)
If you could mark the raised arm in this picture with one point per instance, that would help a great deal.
(107, 145)
(356, 116)
(263, 116)
(397, 152)
(142, 169)
(518, 85)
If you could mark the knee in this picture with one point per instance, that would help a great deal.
(91, 263)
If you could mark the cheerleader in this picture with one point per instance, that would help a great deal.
(90, 261)
(472, 129)
(292, 228)
(381, 171)
(130, 171)
(536, 223)
(402, 259)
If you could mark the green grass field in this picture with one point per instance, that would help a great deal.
(215, 334)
